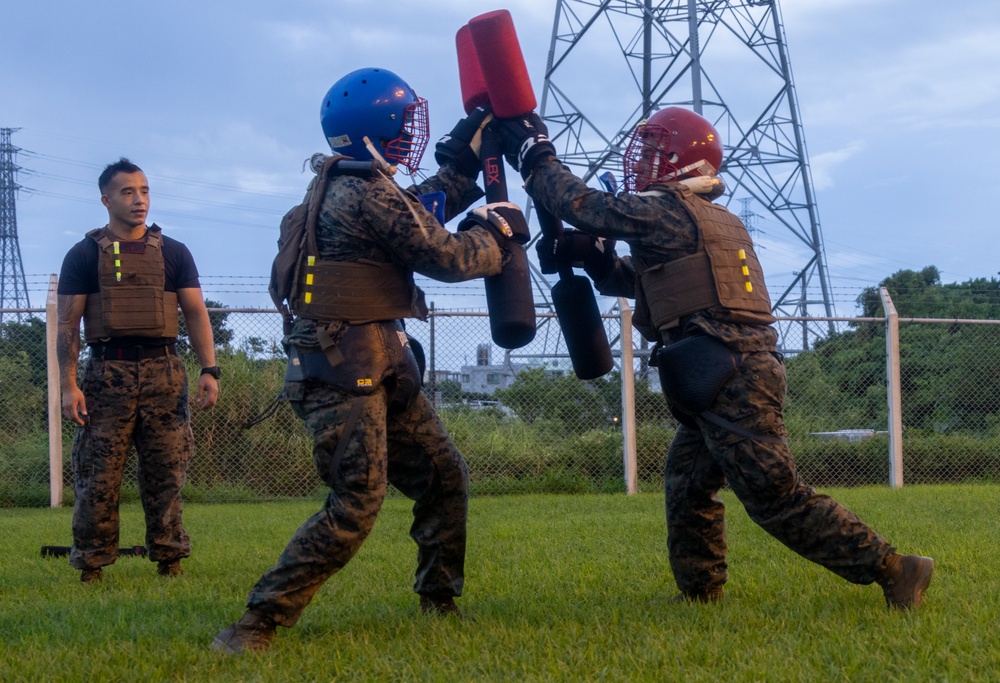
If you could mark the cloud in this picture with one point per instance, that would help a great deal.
(945, 78)
(823, 164)
(806, 14)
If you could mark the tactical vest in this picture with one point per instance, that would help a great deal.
(130, 301)
(723, 277)
(356, 292)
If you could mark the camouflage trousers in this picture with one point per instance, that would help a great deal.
(411, 450)
(142, 403)
(764, 479)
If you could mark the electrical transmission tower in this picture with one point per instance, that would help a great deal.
(614, 62)
(13, 290)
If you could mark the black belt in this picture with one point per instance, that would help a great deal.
(132, 352)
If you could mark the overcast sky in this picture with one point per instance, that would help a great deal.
(219, 103)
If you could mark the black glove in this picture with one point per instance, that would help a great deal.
(461, 145)
(599, 260)
(525, 141)
(503, 220)
(576, 249)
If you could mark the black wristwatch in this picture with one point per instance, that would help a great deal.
(213, 371)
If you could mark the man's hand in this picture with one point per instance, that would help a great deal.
(461, 145)
(577, 249)
(74, 405)
(208, 391)
(525, 141)
(503, 220)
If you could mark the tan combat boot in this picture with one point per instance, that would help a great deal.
(711, 595)
(904, 580)
(433, 605)
(252, 632)
(88, 576)
(169, 568)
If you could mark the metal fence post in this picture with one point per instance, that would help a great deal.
(55, 395)
(628, 399)
(432, 361)
(893, 390)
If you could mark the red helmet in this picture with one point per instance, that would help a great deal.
(672, 144)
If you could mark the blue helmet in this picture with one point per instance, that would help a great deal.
(380, 105)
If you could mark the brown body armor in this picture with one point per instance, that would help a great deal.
(723, 277)
(355, 292)
(131, 301)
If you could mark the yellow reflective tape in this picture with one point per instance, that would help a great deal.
(116, 248)
(118, 276)
(311, 260)
(309, 297)
(309, 278)
(118, 263)
(746, 269)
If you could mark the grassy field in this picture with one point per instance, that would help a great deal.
(559, 588)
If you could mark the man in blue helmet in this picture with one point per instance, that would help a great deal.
(352, 376)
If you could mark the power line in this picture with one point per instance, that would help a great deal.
(13, 289)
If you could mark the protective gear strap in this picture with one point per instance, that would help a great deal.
(328, 337)
(736, 429)
(345, 434)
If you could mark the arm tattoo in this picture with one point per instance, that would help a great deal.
(67, 340)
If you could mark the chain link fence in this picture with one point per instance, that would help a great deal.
(525, 423)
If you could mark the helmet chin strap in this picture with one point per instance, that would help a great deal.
(386, 166)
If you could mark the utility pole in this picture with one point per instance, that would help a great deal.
(13, 290)
(613, 63)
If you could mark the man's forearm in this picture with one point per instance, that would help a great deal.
(70, 309)
(200, 332)
(68, 354)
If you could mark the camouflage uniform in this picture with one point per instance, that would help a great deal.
(703, 456)
(396, 438)
(144, 403)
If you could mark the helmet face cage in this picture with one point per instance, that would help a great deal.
(647, 157)
(674, 143)
(408, 149)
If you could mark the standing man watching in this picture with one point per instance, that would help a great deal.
(700, 296)
(125, 281)
(352, 376)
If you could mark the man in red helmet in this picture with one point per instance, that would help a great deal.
(700, 296)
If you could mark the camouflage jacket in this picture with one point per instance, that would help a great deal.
(655, 227)
(375, 219)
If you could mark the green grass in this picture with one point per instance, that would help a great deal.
(559, 588)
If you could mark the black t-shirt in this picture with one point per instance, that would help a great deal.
(79, 275)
